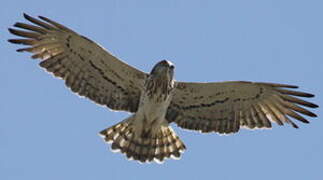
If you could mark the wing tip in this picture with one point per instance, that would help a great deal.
(21, 50)
(11, 30)
(26, 16)
(295, 93)
(42, 17)
(289, 86)
(312, 115)
(308, 95)
(29, 18)
(279, 85)
(12, 41)
(295, 126)
(312, 105)
(15, 32)
(16, 24)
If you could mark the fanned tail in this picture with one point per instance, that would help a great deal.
(158, 146)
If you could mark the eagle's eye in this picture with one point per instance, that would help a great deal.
(171, 66)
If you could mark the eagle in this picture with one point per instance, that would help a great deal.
(155, 99)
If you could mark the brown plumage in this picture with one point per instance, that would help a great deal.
(155, 98)
(227, 106)
(158, 146)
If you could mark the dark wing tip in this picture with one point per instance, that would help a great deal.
(295, 93)
(293, 86)
(288, 86)
(42, 17)
(295, 126)
(12, 41)
(16, 24)
(12, 31)
(313, 115)
(312, 105)
(21, 50)
(47, 20)
(26, 16)
(304, 94)
(309, 95)
(278, 85)
(303, 120)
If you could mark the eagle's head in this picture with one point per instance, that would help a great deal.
(161, 80)
(163, 69)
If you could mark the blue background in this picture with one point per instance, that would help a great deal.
(47, 132)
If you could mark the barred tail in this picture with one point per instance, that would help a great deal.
(162, 144)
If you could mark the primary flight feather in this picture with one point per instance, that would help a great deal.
(155, 99)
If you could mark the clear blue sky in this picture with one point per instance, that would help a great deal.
(47, 132)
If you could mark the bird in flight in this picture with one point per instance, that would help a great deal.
(155, 99)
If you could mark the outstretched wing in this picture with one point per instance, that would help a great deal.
(226, 106)
(87, 68)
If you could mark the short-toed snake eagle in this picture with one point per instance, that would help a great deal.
(155, 99)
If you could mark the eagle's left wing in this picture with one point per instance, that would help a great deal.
(226, 106)
(87, 68)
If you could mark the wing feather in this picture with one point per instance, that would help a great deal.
(263, 121)
(30, 27)
(39, 23)
(24, 33)
(299, 101)
(23, 41)
(230, 105)
(86, 67)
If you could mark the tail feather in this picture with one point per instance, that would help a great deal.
(158, 146)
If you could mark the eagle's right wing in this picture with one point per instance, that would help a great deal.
(86, 67)
(224, 107)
